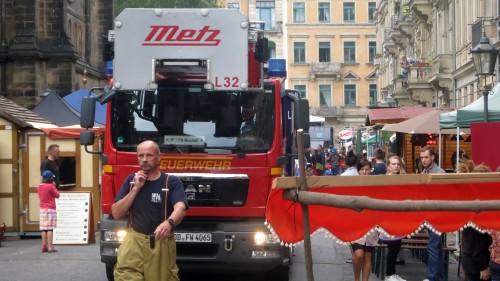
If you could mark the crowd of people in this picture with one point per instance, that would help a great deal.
(480, 250)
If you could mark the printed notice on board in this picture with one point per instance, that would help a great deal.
(73, 214)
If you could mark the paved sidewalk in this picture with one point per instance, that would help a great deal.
(22, 260)
(330, 264)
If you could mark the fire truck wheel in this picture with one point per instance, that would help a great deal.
(109, 272)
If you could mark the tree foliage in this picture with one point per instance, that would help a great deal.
(122, 4)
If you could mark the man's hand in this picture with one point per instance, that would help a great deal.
(163, 230)
(485, 274)
(140, 179)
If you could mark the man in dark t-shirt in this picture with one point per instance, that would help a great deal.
(49, 163)
(148, 209)
(151, 223)
(380, 168)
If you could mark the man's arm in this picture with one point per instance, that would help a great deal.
(165, 228)
(120, 208)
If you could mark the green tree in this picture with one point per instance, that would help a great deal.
(122, 4)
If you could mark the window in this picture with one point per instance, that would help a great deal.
(372, 51)
(67, 171)
(349, 52)
(373, 94)
(325, 95)
(349, 12)
(299, 52)
(372, 8)
(350, 95)
(301, 89)
(233, 5)
(265, 13)
(324, 52)
(323, 12)
(299, 12)
(272, 49)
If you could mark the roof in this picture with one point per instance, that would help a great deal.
(66, 111)
(75, 101)
(390, 115)
(18, 115)
(426, 123)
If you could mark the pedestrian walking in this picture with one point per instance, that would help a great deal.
(394, 167)
(475, 245)
(363, 248)
(435, 264)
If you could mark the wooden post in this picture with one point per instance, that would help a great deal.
(305, 207)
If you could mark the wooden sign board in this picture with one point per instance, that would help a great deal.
(74, 218)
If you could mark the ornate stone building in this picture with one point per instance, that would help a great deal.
(329, 47)
(439, 35)
(52, 45)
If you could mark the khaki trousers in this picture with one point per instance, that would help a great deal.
(137, 261)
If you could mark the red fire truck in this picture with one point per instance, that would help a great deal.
(194, 81)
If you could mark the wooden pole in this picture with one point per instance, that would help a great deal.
(360, 203)
(305, 207)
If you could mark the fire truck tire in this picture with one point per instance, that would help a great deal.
(109, 272)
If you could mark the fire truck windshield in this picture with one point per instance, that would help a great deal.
(188, 119)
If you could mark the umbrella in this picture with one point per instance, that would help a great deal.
(426, 123)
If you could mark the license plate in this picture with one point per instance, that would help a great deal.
(193, 237)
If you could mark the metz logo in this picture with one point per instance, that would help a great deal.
(172, 35)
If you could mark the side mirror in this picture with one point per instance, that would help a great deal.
(301, 114)
(87, 112)
(262, 50)
(307, 140)
(87, 137)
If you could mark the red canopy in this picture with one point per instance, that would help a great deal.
(285, 216)
(68, 132)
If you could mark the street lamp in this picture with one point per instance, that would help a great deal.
(484, 56)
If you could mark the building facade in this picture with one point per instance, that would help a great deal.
(52, 45)
(330, 49)
(439, 35)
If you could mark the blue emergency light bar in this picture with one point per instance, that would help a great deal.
(276, 68)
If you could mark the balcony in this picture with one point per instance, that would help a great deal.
(441, 69)
(325, 70)
(396, 35)
(422, 8)
(389, 44)
(400, 94)
(326, 111)
(419, 73)
(405, 22)
(418, 84)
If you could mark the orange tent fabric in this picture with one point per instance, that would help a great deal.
(285, 217)
(68, 133)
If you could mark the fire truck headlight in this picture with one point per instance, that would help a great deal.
(261, 238)
(114, 236)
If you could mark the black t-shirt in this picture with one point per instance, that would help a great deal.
(148, 209)
(379, 169)
(50, 165)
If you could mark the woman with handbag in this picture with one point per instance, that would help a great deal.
(319, 157)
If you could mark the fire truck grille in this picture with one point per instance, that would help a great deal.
(216, 192)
